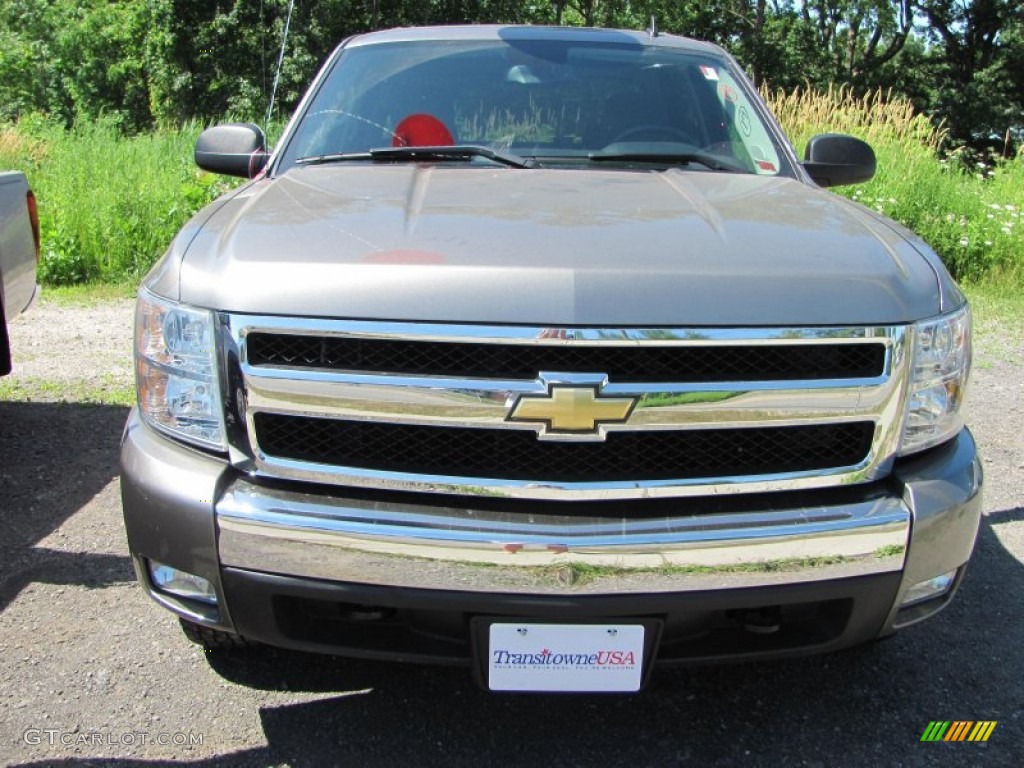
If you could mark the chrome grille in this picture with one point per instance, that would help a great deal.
(425, 407)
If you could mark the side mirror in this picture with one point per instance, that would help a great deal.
(833, 160)
(234, 149)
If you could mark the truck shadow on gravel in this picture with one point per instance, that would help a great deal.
(861, 707)
(54, 458)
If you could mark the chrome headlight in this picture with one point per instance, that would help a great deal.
(941, 365)
(176, 371)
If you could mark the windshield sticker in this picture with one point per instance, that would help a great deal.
(728, 94)
(743, 121)
(710, 73)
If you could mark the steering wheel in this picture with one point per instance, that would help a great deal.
(651, 132)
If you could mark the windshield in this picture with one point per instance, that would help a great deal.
(556, 101)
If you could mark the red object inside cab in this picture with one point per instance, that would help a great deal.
(422, 131)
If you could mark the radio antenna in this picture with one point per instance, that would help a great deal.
(280, 59)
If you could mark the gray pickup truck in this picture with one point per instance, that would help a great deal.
(539, 351)
(19, 254)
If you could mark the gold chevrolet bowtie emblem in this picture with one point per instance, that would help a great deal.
(572, 409)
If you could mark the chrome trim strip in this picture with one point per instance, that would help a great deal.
(485, 403)
(547, 336)
(448, 402)
(563, 491)
(309, 536)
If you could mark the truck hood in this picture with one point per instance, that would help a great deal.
(591, 247)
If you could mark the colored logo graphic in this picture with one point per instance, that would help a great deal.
(958, 730)
(572, 409)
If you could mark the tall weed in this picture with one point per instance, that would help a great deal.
(969, 215)
(108, 204)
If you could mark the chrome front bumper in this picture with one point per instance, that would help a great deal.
(437, 547)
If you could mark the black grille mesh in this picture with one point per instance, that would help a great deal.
(781, 362)
(519, 455)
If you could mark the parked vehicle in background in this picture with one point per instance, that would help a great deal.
(19, 254)
(539, 351)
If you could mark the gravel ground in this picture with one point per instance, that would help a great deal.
(94, 674)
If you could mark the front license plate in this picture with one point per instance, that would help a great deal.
(565, 657)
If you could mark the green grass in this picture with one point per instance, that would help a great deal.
(890, 550)
(685, 398)
(108, 392)
(998, 311)
(87, 294)
(973, 220)
(577, 573)
(581, 573)
(109, 205)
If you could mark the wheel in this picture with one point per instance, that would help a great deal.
(213, 639)
(651, 132)
(5, 349)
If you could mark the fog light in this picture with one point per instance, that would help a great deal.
(928, 590)
(181, 584)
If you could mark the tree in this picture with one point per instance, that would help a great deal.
(30, 64)
(977, 63)
(105, 42)
(859, 35)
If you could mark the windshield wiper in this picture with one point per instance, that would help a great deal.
(669, 158)
(337, 157)
(391, 154)
(456, 152)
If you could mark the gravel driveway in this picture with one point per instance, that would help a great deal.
(93, 673)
